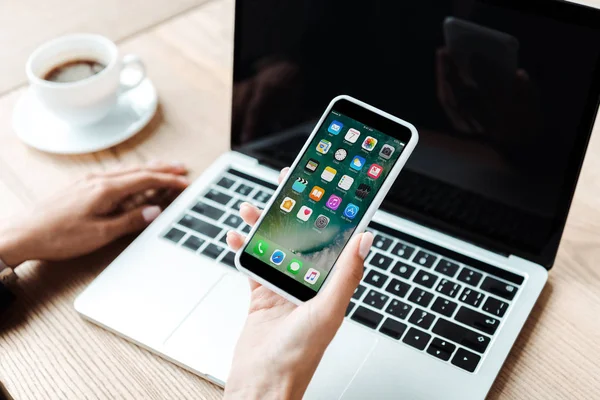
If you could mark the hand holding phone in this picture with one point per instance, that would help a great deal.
(332, 191)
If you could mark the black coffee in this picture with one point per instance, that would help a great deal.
(73, 71)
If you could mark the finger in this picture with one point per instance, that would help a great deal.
(283, 174)
(249, 213)
(174, 167)
(119, 187)
(346, 277)
(130, 221)
(235, 240)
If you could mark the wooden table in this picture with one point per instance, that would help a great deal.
(47, 351)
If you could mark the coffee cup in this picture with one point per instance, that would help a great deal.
(80, 77)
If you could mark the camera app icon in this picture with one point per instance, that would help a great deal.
(387, 151)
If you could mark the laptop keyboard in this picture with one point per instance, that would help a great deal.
(415, 292)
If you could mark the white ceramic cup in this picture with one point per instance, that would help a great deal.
(86, 101)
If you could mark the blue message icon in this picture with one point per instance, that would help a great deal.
(335, 127)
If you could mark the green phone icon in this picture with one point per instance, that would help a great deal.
(294, 266)
(261, 247)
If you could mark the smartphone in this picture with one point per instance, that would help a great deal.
(332, 190)
(465, 39)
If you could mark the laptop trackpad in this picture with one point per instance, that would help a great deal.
(206, 339)
(343, 358)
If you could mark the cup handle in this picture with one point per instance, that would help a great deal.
(131, 61)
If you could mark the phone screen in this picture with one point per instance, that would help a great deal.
(318, 209)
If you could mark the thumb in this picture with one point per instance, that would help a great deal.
(132, 221)
(348, 273)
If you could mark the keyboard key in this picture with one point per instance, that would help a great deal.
(218, 197)
(223, 238)
(380, 261)
(375, 278)
(416, 338)
(424, 278)
(367, 317)
(397, 288)
(233, 220)
(244, 190)
(403, 250)
(444, 307)
(448, 288)
(212, 251)
(208, 211)
(421, 318)
(226, 182)
(469, 276)
(425, 259)
(477, 320)
(398, 309)
(193, 243)
(229, 259)
(463, 336)
(382, 243)
(471, 297)
(376, 299)
(403, 270)
(447, 267)
(174, 235)
(496, 307)
(350, 308)
(466, 360)
(246, 228)
(392, 328)
(420, 297)
(200, 226)
(441, 349)
(501, 289)
(236, 205)
(262, 197)
(358, 292)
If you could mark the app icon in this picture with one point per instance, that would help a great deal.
(317, 193)
(328, 174)
(352, 135)
(321, 222)
(323, 146)
(277, 257)
(294, 266)
(351, 211)
(340, 154)
(387, 151)
(357, 163)
(287, 204)
(369, 143)
(299, 185)
(312, 276)
(261, 248)
(363, 191)
(311, 166)
(304, 213)
(346, 182)
(335, 127)
(334, 202)
(375, 171)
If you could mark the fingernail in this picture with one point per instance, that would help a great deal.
(366, 241)
(183, 180)
(177, 164)
(151, 213)
(245, 205)
(153, 163)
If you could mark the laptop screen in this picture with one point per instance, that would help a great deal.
(504, 96)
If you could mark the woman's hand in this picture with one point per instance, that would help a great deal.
(90, 214)
(282, 344)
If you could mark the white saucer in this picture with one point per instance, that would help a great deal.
(38, 128)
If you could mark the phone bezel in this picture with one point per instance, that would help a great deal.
(288, 287)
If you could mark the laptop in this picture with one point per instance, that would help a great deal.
(464, 240)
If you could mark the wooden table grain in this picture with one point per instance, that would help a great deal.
(48, 352)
